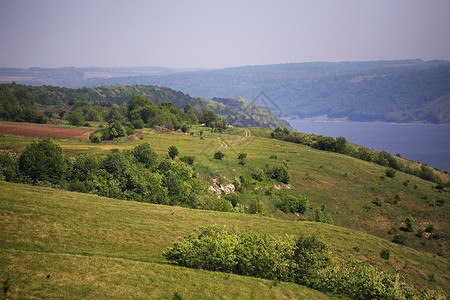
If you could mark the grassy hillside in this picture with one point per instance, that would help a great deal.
(342, 187)
(72, 236)
(55, 243)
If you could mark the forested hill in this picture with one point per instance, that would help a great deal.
(237, 111)
(393, 91)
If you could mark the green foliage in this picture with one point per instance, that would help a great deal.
(377, 201)
(410, 224)
(75, 118)
(292, 204)
(17, 105)
(390, 173)
(173, 152)
(322, 217)
(43, 161)
(6, 285)
(399, 239)
(385, 254)
(144, 154)
(188, 159)
(219, 155)
(430, 228)
(242, 155)
(9, 168)
(280, 173)
(304, 260)
(258, 174)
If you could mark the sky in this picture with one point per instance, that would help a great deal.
(218, 34)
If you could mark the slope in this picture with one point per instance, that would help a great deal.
(55, 243)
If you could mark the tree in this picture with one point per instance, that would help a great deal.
(409, 221)
(75, 118)
(173, 152)
(208, 117)
(145, 155)
(43, 161)
(219, 155)
(115, 162)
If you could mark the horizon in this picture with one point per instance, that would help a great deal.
(193, 69)
(215, 34)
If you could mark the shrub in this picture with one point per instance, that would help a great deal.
(320, 216)
(430, 228)
(242, 155)
(43, 161)
(144, 154)
(173, 152)
(75, 118)
(280, 173)
(188, 159)
(399, 239)
(258, 174)
(390, 173)
(219, 155)
(377, 201)
(304, 260)
(95, 137)
(385, 253)
(288, 203)
(409, 221)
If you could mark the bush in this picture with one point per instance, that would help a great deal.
(188, 159)
(409, 221)
(43, 161)
(219, 155)
(280, 173)
(173, 152)
(144, 154)
(390, 173)
(430, 228)
(377, 201)
(399, 239)
(258, 174)
(288, 203)
(304, 260)
(75, 118)
(385, 254)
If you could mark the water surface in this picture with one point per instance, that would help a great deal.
(423, 143)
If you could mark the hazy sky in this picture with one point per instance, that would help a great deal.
(213, 34)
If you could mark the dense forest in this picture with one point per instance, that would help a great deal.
(237, 111)
(393, 91)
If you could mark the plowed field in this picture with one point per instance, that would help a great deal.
(43, 131)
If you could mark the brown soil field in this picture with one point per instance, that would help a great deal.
(44, 131)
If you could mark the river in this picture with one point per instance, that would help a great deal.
(424, 143)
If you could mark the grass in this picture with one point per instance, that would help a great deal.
(343, 185)
(45, 224)
(56, 243)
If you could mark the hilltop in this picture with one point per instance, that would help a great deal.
(389, 91)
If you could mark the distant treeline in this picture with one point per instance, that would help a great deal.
(340, 145)
(49, 98)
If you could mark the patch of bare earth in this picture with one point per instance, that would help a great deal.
(44, 131)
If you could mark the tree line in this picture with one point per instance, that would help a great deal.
(340, 145)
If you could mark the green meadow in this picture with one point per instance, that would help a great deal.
(60, 244)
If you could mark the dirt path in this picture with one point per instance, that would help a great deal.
(248, 133)
(222, 143)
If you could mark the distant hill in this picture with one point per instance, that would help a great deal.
(393, 91)
(238, 111)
